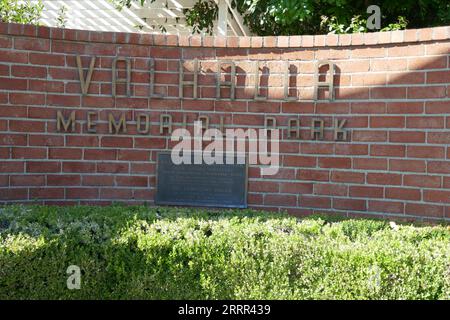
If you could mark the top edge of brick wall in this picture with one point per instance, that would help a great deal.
(329, 40)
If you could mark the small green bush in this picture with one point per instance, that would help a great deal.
(21, 11)
(172, 253)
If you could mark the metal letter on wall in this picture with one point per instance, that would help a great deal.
(294, 128)
(270, 123)
(324, 84)
(205, 122)
(65, 124)
(287, 77)
(222, 125)
(126, 80)
(90, 123)
(85, 82)
(257, 95)
(146, 122)
(165, 122)
(231, 83)
(317, 128)
(152, 81)
(188, 83)
(340, 134)
(121, 125)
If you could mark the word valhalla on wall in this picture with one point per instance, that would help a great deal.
(142, 123)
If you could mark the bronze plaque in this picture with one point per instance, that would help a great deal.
(210, 185)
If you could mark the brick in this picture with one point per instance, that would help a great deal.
(118, 142)
(144, 194)
(405, 107)
(441, 196)
(368, 107)
(13, 84)
(316, 148)
(386, 206)
(407, 136)
(368, 52)
(388, 93)
(27, 98)
(46, 140)
(82, 193)
(47, 59)
(427, 210)
(14, 194)
(313, 175)
(78, 167)
(330, 189)
(438, 77)
(27, 180)
(407, 165)
(26, 126)
(422, 122)
(29, 72)
(426, 152)
(133, 155)
(143, 168)
(280, 200)
(113, 167)
(439, 138)
(342, 163)
(132, 181)
(315, 202)
(347, 176)
(99, 154)
(82, 141)
(387, 150)
(65, 153)
(352, 149)
(349, 204)
(5, 42)
(43, 166)
(384, 178)
(296, 188)
(116, 193)
(32, 44)
(14, 57)
(421, 63)
(28, 153)
(299, 161)
(366, 192)
(47, 193)
(422, 181)
(63, 100)
(94, 180)
(4, 181)
(63, 180)
(369, 136)
(403, 194)
(387, 122)
(267, 107)
(427, 92)
(370, 164)
(263, 186)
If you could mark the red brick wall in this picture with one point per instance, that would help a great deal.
(392, 87)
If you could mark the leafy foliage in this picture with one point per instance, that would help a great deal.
(357, 25)
(172, 253)
(290, 17)
(20, 11)
(202, 16)
(61, 19)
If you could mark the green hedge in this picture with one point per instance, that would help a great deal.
(162, 253)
